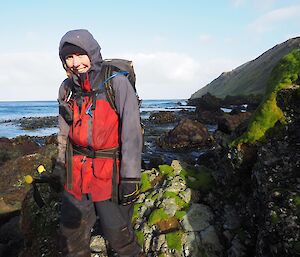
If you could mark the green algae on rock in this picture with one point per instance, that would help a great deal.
(285, 73)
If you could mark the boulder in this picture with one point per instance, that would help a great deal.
(187, 134)
(207, 102)
(209, 117)
(198, 218)
(229, 122)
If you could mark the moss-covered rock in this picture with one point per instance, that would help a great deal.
(285, 73)
(163, 210)
(199, 179)
(157, 215)
(174, 240)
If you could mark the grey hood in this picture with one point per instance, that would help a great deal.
(85, 40)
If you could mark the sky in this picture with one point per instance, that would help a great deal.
(176, 46)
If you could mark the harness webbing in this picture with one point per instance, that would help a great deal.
(90, 153)
(113, 153)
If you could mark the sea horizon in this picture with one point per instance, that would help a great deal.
(12, 111)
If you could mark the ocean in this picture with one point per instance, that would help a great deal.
(11, 111)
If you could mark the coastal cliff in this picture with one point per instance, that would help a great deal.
(251, 77)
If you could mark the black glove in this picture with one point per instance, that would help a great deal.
(129, 190)
(57, 178)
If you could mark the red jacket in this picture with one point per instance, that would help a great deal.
(104, 130)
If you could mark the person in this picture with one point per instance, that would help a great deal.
(99, 151)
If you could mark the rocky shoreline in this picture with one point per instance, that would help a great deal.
(34, 123)
(215, 201)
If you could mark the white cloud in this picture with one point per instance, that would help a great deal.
(163, 75)
(30, 76)
(268, 21)
(160, 75)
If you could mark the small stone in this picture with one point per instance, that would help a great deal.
(149, 203)
(168, 225)
(176, 166)
(98, 245)
(170, 206)
(158, 242)
(186, 195)
(197, 218)
(177, 185)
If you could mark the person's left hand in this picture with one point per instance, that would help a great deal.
(129, 190)
(57, 177)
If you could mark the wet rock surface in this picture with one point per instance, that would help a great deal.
(163, 117)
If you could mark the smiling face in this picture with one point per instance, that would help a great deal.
(78, 63)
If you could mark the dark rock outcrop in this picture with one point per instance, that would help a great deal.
(207, 102)
(229, 122)
(264, 181)
(187, 134)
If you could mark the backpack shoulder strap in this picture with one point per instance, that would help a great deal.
(107, 84)
(108, 75)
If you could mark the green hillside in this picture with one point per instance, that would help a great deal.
(285, 73)
(251, 77)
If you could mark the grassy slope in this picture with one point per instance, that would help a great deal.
(251, 77)
(285, 73)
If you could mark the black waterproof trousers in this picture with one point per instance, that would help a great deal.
(78, 218)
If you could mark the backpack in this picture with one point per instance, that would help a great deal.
(120, 66)
(124, 67)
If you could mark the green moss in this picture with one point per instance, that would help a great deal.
(174, 240)
(161, 255)
(285, 73)
(274, 217)
(296, 200)
(199, 179)
(180, 202)
(157, 215)
(135, 214)
(140, 237)
(145, 183)
(180, 214)
(152, 196)
(165, 169)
